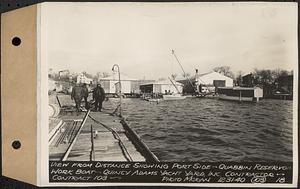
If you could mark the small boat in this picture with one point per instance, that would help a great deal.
(247, 94)
(153, 100)
(173, 97)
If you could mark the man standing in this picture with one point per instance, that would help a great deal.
(98, 96)
(77, 96)
(85, 93)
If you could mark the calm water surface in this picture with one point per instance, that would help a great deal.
(212, 130)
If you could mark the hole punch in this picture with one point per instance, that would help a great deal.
(16, 41)
(16, 144)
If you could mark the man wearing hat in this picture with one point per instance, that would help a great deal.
(98, 96)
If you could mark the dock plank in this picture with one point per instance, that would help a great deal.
(106, 145)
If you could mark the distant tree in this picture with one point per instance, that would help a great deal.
(263, 76)
(225, 70)
(280, 73)
(238, 78)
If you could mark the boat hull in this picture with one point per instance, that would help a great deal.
(173, 97)
(236, 98)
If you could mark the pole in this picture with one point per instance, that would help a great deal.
(120, 90)
(173, 52)
(175, 86)
(58, 101)
(92, 155)
(240, 96)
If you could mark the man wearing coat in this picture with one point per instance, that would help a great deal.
(77, 96)
(98, 96)
(85, 93)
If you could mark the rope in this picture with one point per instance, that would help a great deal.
(117, 137)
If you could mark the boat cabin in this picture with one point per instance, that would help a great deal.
(240, 93)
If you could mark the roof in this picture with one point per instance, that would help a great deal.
(240, 88)
(115, 77)
(163, 82)
(203, 74)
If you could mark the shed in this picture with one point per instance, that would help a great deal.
(161, 87)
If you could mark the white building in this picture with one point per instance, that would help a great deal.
(162, 87)
(213, 79)
(110, 84)
(81, 78)
(207, 82)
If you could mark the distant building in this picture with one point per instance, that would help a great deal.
(248, 80)
(111, 84)
(162, 87)
(81, 78)
(206, 82)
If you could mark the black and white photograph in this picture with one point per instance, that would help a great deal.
(171, 82)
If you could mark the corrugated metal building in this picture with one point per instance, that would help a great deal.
(161, 87)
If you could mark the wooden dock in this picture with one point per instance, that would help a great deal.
(96, 136)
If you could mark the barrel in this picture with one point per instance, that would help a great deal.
(54, 110)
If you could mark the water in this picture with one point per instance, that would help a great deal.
(212, 130)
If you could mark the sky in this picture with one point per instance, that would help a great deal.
(139, 37)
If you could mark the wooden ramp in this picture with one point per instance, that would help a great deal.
(94, 136)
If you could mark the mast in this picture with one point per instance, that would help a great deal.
(173, 52)
(174, 85)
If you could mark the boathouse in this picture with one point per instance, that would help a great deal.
(162, 87)
(111, 84)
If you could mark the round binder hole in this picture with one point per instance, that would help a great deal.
(16, 41)
(16, 144)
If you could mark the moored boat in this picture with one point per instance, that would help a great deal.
(174, 97)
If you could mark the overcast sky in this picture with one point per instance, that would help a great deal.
(139, 37)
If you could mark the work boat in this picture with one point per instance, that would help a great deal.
(173, 97)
